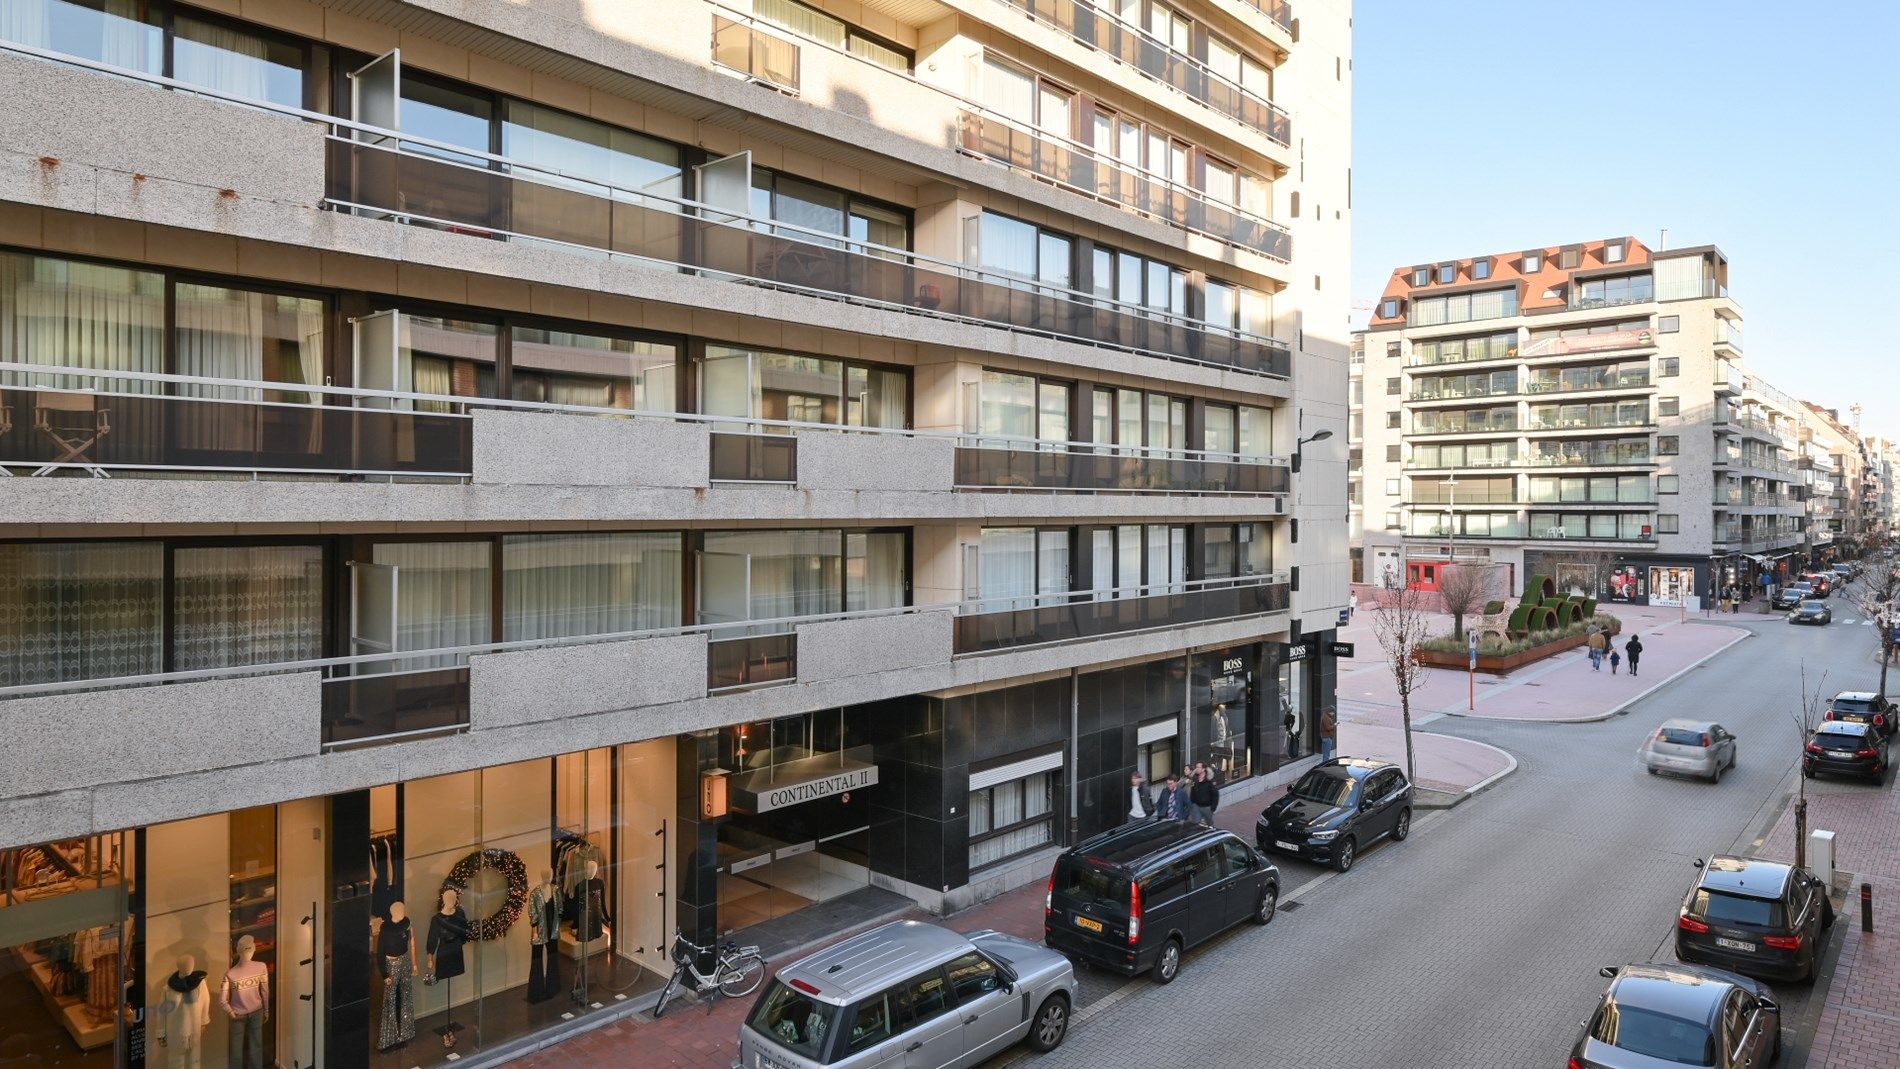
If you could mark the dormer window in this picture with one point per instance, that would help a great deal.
(1533, 263)
(1570, 257)
(1480, 270)
(1389, 308)
(1421, 276)
(1447, 273)
(1615, 252)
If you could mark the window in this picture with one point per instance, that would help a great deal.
(1615, 252)
(755, 384)
(1668, 484)
(1421, 276)
(1389, 308)
(1392, 487)
(1017, 408)
(1392, 349)
(1668, 523)
(589, 583)
(1011, 818)
(1393, 521)
(1668, 324)
(972, 976)
(1569, 259)
(800, 19)
(1020, 566)
(1392, 387)
(1669, 367)
(1392, 421)
(1464, 307)
(1447, 273)
(1533, 262)
(1480, 269)
(570, 368)
(1392, 454)
(1668, 406)
(803, 1024)
(923, 997)
(813, 207)
(1668, 445)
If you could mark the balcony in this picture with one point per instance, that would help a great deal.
(1463, 465)
(1080, 169)
(1444, 533)
(1590, 344)
(1625, 380)
(1593, 458)
(760, 57)
(1570, 423)
(1483, 355)
(1011, 623)
(1728, 336)
(1123, 41)
(1728, 379)
(1461, 392)
(1495, 426)
(996, 463)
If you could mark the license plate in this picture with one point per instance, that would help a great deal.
(1735, 944)
(1084, 922)
(1284, 845)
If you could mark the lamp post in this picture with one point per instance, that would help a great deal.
(1318, 436)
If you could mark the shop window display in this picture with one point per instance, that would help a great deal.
(62, 961)
(1226, 696)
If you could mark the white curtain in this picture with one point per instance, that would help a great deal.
(1006, 559)
(1052, 565)
(111, 33)
(1160, 557)
(240, 605)
(568, 585)
(222, 58)
(794, 573)
(1007, 804)
(70, 314)
(83, 610)
(240, 334)
(1102, 570)
(875, 570)
(442, 597)
(1128, 575)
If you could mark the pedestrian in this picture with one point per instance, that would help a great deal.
(1173, 803)
(1141, 804)
(1634, 647)
(1597, 643)
(1328, 733)
(1205, 794)
(1615, 659)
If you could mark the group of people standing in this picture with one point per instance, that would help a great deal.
(1195, 798)
(1603, 646)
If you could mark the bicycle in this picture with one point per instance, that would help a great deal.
(738, 972)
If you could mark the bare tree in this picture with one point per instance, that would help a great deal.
(1464, 588)
(1401, 627)
(1878, 598)
(1807, 718)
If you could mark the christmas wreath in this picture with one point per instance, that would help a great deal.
(496, 924)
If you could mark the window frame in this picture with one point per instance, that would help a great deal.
(1049, 817)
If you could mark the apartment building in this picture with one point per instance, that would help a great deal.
(1580, 411)
(714, 465)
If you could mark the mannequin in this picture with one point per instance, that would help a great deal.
(396, 959)
(544, 936)
(184, 1010)
(448, 930)
(590, 923)
(245, 996)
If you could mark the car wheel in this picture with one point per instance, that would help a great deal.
(1404, 826)
(1716, 776)
(1268, 905)
(1052, 1024)
(1651, 771)
(1808, 772)
(1827, 914)
(1343, 854)
(1774, 1052)
(1168, 966)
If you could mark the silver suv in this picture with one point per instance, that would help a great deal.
(909, 994)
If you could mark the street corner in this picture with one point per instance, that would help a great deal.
(1447, 770)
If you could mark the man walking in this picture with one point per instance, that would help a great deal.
(1173, 803)
(1634, 647)
(1204, 794)
(1141, 805)
(1328, 733)
(1597, 642)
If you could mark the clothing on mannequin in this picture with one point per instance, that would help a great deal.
(245, 996)
(448, 930)
(592, 917)
(577, 854)
(184, 1012)
(544, 936)
(396, 960)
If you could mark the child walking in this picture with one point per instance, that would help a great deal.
(1615, 659)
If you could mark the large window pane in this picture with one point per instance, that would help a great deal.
(122, 33)
(236, 61)
(811, 207)
(584, 148)
(1007, 245)
(1009, 406)
(449, 357)
(567, 368)
(876, 570)
(240, 605)
(242, 334)
(1052, 562)
(1006, 566)
(79, 610)
(442, 595)
(66, 313)
(563, 585)
(793, 573)
(877, 397)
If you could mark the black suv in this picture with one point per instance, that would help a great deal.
(1337, 809)
(1793, 594)
(1844, 748)
(1759, 918)
(1136, 898)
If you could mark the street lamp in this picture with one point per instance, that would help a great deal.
(1318, 436)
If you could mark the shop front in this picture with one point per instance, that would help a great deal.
(406, 925)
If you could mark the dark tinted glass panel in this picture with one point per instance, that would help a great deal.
(1736, 909)
(1325, 786)
(799, 1023)
(1655, 1035)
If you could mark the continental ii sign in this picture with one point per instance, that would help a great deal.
(757, 795)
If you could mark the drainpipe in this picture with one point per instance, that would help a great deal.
(1075, 749)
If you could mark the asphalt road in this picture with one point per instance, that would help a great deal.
(1476, 942)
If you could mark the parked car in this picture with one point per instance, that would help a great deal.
(1137, 898)
(910, 987)
(1761, 918)
(1669, 1014)
(1846, 572)
(1690, 748)
(1812, 612)
(1822, 582)
(1863, 707)
(1793, 594)
(1846, 748)
(1337, 809)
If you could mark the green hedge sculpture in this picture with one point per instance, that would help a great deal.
(1540, 587)
(1520, 621)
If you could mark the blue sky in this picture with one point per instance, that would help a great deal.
(1769, 130)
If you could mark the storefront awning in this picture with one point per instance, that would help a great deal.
(804, 780)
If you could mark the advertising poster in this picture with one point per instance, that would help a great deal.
(1671, 586)
(1626, 584)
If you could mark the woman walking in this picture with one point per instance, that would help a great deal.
(1634, 647)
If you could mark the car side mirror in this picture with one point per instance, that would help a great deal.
(1769, 1004)
(1698, 862)
(1606, 972)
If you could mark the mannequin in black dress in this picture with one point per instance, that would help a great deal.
(590, 923)
(448, 930)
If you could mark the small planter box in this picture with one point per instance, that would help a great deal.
(1501, 665)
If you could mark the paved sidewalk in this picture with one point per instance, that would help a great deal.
(1860, 1024)
(1562, 688)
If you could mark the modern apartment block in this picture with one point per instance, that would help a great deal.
(1580, 411)
(743, 464)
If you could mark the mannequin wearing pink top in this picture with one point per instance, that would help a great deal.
(245, 996)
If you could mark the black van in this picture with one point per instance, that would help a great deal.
(1136, 898)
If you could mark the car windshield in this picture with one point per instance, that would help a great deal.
(1813, 606)
(1736, 909)
(1656, 1035)
(1838, 740)
(1091, 883)
(1685, 736)
(794, 1020)
(1325, 786)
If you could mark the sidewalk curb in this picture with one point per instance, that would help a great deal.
(1740, 634)
(1458, 798)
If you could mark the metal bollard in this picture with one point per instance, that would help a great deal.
(1866, 907)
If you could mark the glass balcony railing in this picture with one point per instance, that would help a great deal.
(988, 462)
(1622, 380)
(751, 661)
(1584, 423)
(360, 710)
(1428, 391)
(1592, 458)
(1080, 169)
(1483, 426)
(754, 458)
(1007, 623)
(1103, 32)
(1460, 465)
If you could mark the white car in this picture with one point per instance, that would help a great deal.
(1698, 748)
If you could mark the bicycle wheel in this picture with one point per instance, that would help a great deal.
(666, 994)
(739, 977)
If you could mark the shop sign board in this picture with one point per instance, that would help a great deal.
(1340, 649)
(765, 797)
(1300, 651)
